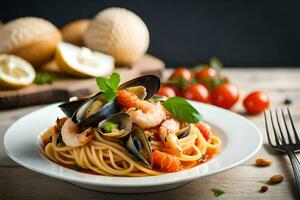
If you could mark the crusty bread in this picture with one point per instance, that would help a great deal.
(33, 39)
(120, 33)
(73, 32)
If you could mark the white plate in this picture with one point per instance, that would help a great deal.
(241, 140)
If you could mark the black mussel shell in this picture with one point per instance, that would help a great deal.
(150, 82)
(93, 120)
(70, 107)
(123, 121)
(138, 142)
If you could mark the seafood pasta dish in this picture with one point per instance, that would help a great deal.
(126, 130)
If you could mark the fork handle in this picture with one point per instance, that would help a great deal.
(296, 168)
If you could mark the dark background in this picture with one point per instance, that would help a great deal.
(240, 33)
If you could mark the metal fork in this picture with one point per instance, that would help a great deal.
(282, 143)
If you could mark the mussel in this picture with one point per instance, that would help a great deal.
(91, 111)
(150, 82)
(94, 110)
(117, 126)
(138, 145)
(70, 107)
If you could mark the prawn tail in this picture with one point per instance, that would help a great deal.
(127, 99)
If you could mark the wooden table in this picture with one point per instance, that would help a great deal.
(242, 182)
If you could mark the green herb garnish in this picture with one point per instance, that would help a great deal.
(78, 168)
(266, 182)
(108, 127)
(109, 86)
(216, 63)
(217, 192)
(182, 110)
(59, 138)
(43, 78)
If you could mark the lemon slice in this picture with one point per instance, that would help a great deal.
(83, 62)
(15, 72)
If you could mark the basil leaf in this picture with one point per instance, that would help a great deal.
(114, 80)
(182, 110)
(217, 192)
(109, 94)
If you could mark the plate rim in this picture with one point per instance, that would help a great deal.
(186, 178)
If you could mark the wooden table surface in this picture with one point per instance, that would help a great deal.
(242, 182)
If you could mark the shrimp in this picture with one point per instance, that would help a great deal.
(143, 113)
(72, 136)
(165, 161)
(166, 133)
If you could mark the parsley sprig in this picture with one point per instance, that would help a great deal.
(217, 192)
(43, 78)
(109, 86)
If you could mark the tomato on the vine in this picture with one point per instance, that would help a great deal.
(204, 129)
(206, 73)
(256, 102)
(166, 91)
(225, 95)
(181, 72)
(197, 92)
(176, 89)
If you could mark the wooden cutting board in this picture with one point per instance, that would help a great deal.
(64, 87)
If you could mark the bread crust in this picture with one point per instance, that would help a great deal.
(73, 32)
(39, 50)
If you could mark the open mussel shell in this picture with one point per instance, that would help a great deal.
(83, 119)
(139, 146)
(150, 82)
(124, 126)
(70, 107)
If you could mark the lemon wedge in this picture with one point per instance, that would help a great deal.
(83, 62)
(15, 72)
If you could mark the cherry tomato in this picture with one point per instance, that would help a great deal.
(183, 72)
(256, 102)
(166, 91)
(204, 129)
(225, 95)
(177, 90)
(197, 92)
(206, 73)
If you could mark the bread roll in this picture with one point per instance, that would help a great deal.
(120, 33)
(73, 32)
(31, 38)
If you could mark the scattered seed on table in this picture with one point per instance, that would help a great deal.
(264, 188)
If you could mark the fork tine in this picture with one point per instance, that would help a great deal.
(286, 128)
(267, 129)
(279, 127)
(293, 126)
(274, 129)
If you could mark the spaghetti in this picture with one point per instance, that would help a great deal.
(133, 134)
(105, 157)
